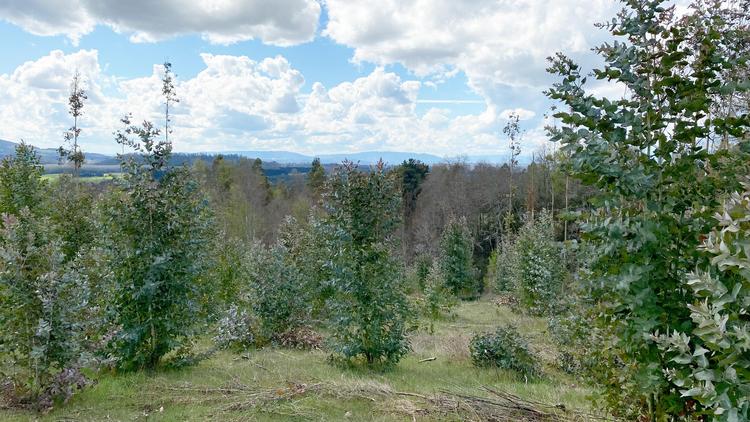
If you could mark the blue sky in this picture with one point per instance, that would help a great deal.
(301, 75)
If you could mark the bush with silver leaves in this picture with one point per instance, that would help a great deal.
(711, 362)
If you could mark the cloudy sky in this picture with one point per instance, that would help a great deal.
(309, 76)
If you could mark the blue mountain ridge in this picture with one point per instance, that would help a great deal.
(50, 156)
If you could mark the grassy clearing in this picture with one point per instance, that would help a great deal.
(274, 384)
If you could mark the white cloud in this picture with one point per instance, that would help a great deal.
(237, 103)
(493, 42)
(278, 22)
(33, 104)
(522, 113)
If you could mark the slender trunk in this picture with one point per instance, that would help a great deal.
(565, 225)
(166, 124)
(532, 187)
(510, 189)
(75, 147)
(552, 192)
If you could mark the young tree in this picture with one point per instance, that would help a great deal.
(537, 272)
(75, 108)
(512, 130)
(279, 294)
(369, 307)
(158, 228)
(456, 251)
(170, 97)
(42, 300)
(305, 252)
(42, 308)
(263, 184)
(70, 211)
(651, 155)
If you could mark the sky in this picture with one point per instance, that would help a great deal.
(308, 76)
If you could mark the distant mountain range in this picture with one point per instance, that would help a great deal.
(50, 156)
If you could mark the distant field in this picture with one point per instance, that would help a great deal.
(88, 179)
(88, 170)
(294, 385)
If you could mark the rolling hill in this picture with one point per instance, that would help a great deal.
(51, 156)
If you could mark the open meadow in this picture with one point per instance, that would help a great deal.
(279, 384)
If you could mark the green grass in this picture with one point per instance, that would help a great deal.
(273, 384)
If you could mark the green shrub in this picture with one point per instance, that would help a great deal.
(277, 296)
(711, 362)
(456, 254)
(305, 251)
(578, 340)
(70, 206)
(236, 329)
(422, 267)
(505, 348)
(225, 277)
